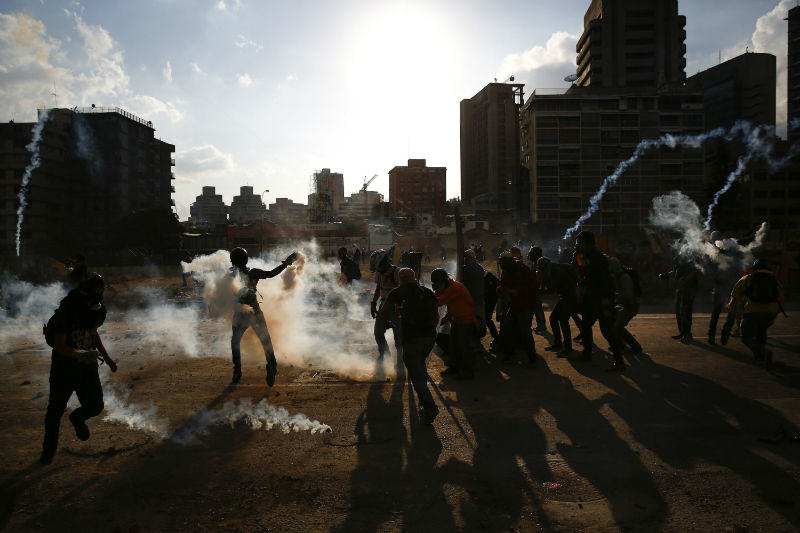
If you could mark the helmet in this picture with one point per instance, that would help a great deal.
(239, 257)
(93, 287)
(378, 260)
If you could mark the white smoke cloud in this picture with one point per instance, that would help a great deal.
(259, 416)
(312, 319)
(24, 308)
(22, 196)
(244, 80)
(136, 416)
(542, 66)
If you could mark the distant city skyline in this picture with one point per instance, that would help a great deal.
(264, 94)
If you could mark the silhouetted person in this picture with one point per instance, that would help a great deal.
(386, 279)
(519, 287)
(461, 313)
(561, 279)
(686, 282)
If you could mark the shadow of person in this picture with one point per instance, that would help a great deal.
(685, 419)
(12, 487)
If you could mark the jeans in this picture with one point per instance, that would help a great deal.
(624, 337)
(684, 306)
(242, 321)
(596, 311)
(489, 304)
(65, 380)
(515, 330)
(538, 312)
(712, 324)
(559, 322)
(464, 344)
(415, 351)
(380, 334)
(754, 331)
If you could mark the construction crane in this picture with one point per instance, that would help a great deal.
(364, 192)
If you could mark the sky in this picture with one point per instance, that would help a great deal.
(263, 93)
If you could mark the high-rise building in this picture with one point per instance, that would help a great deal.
(360, 204)
(492, 178)
(631, 43)
(247, 206)
(327, 194)
(98, 165)
(285, 211)
(793, 96)
(572, 142)
(742, 88)
(208, 209)
(418, 189)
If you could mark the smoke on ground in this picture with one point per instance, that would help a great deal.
(136, 416)
(259, 416)
(313, 319)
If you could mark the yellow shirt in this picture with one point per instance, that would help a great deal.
(740, 293)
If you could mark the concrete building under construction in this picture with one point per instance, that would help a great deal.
(98, 165)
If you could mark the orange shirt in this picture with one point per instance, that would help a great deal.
(458, 301)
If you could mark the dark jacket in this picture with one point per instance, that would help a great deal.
(520, 285)
(594, 278)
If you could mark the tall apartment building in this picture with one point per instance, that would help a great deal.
(97, 166)
(631, 43)
(793, 96)
(360, 204)
(327, 195)
(208, 209)
(571, 142)
(742, 88)
(492, 178)
(417, 189)
(285, 211)
(247, 206)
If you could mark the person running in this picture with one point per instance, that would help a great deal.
(561, 279)
(541, 324)
(461, 313)
(247, 313)
(628, 293)
(474, 274)
(77, 347)
(348, 267)
(519, 287)
(762, 296)
(417, 307)
(595, 297)
(386, 280)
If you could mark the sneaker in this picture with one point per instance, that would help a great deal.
(272, 371)
(554, 348)
(237, 376)
(540, 330)
(724, 336)
(81, 429)
(47, 457)
(577, 338)
(616, 367)
(686, 340)
(428, 414)
(678, 337)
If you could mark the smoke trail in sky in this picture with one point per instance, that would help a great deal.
(757, 145)
(261, 415)
(33, 147)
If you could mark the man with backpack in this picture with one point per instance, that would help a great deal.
(349, 267)
(628, 293)
(77, 347)
(386, 280)
(417, 308)
(763, 300)
(561, 279)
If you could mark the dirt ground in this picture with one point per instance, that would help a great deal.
(689, 438)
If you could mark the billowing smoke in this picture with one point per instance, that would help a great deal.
(85, 142)
(137, 417)
(33, 147)
(262, 415)
(758, 143)
(312, 318)
(677, 213)
(24, 308)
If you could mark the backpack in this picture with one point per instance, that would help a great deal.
(762, 288)
(637, 285)
(48, 331)
(352, 270)
(420, 309)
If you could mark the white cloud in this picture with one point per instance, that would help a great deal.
(291, 77)
(232, 5)
(32, 61)
(244, 42)
(167, 72)
(558, 51)
(244, 79)
(203, 162)
(196, 68)
(221, 5)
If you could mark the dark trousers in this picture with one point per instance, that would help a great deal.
(242, 321)
(684, 307)
(754, 331)
(559, 322)
(490, 303)
(712, 324)
(595, 311)
(85, 382)
(538, 312)
(415, 351)
(624, 337)
(463, 344)
(515, 331)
